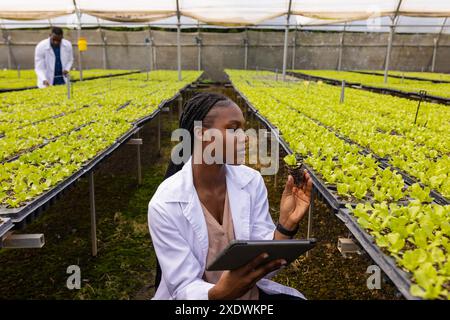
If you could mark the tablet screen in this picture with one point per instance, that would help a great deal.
(240, 252)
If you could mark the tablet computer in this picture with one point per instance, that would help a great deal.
(240, 252)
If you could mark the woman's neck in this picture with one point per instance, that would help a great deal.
(210, 176)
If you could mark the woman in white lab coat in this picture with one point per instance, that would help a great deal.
(195, 193)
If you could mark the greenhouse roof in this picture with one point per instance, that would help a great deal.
(355, 15)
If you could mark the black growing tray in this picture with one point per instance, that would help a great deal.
(355, 85)
(5, 225)
(400, 278)
(400, 77)
(72, 81)
(383, 161)
(438, 198)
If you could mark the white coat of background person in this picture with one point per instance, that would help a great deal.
(44, 58)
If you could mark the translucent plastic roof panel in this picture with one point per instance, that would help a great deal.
(129, 10)
(379, 24)
(234, 12)
(430, 8)
(339, 10)
(32, 10)
(364, 9)
(67, 21)
(231, 12)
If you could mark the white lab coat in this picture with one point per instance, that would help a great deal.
(44, 60)
(180, 237)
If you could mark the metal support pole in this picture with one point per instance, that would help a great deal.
(294, 46)
(246, 49)
(169, 114)
(180, 107)
(68, 86)
(341, 100)
(22, 241)
(149, 42)
(422, 94)
(391, 37)
(436, 44)
(417, 112)
(285, 49)
(286, 35)
(310, 217)
(159, 133)
(433, 61)
(80, 62)
(105, 53)
(178, 42)
(149, 51)
(388, 53)
(93, 218)
(310, 214)
(139, 165)
(103, 37)
(199, 41)
(7, 40)
(154, 61)
(275, 181)
(341, 48)
(199, 56)
(80, 54)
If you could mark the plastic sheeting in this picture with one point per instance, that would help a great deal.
(234, 12)
(220, 12)
(37, 9)
(126, 11)
(364, 9)
(404, 24)
(344, 10)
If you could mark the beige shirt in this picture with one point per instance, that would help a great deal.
(219, 237)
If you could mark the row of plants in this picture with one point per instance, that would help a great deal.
(403, 219)
(60, 118)
(16, 79)
(420, 152)
(104, 121)
(415, 74)
(407, 85)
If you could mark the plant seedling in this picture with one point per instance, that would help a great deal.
(295, 169)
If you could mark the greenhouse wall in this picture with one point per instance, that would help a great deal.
(315, 50)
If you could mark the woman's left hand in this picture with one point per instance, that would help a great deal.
(295, 202)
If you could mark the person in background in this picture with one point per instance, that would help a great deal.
(53, 59)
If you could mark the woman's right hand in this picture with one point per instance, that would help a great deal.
(234, 284)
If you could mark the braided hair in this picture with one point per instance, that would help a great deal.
(197, 109)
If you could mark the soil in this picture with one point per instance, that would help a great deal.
(297, 173)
